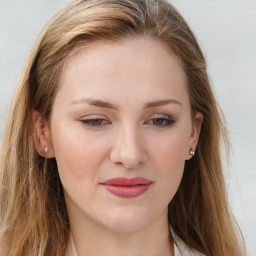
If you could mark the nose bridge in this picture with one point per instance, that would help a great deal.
(128, 148)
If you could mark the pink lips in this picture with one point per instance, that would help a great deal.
(124, 187)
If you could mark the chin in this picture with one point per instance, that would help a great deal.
(127, 221)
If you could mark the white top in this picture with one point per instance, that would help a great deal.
(181, 249)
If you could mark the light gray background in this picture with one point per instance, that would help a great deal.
(226, 30)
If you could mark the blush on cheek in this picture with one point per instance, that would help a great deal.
(170, 151)
(170, 157)
(78, 158)
(68, 156)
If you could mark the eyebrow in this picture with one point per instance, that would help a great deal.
(104, 104)
(161, 103)
(95, 102)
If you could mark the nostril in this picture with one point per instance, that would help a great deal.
(128, 152)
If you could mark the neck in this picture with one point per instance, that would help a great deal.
(153, 240)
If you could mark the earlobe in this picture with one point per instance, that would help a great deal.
(42, 136)
(198, 120)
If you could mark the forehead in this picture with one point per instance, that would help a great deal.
(129, 67)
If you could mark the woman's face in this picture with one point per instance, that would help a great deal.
(121, 131)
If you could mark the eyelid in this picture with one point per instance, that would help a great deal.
(94, 116)
(99, 121)
(88, 121)
(160, 115)
(167, 119)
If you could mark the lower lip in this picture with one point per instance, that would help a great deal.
(127, 191)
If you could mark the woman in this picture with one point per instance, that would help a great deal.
(112, 145)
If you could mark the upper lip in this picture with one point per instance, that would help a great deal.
(123, 181)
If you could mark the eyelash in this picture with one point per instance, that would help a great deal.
(166, 122)
(89, 122)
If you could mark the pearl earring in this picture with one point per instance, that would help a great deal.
(191, 152)
(46, 149)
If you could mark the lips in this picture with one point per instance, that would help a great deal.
(127, 188)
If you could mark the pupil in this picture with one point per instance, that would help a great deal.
(97, 121)
(158, 121)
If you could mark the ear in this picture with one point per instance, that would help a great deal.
(42, 136)
(196, 128)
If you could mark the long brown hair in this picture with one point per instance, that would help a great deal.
(33, 214)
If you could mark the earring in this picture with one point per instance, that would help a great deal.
(191, 152)
(46, 149)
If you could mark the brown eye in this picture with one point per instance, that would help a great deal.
(161, 122)
(95, 122)
(158, 121)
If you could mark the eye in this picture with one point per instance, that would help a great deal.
(161, 121)
(95, 122)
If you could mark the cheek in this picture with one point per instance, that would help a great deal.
(171, 163)
(78, 156)
(171, 150)
(169, 160)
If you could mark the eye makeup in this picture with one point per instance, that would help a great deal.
(157, 120)
(160, 121)
(95, 122)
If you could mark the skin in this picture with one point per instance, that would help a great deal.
(127, 141)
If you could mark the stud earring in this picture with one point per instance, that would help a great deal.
(191, 152)
(46, 149)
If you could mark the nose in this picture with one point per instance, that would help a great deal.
(128, 149)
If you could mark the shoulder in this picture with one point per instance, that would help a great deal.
(181, 249)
